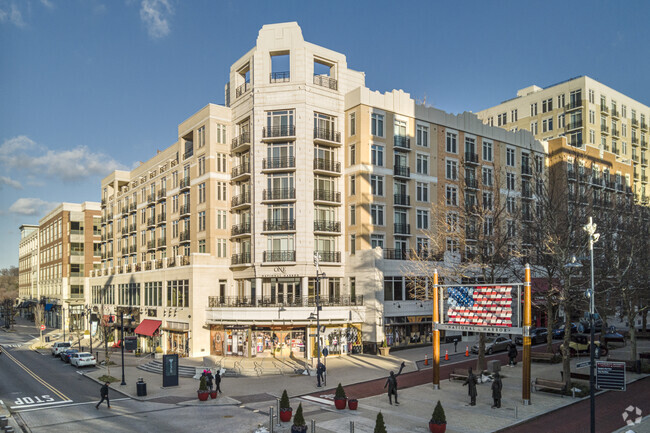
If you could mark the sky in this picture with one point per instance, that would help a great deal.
(90, 86)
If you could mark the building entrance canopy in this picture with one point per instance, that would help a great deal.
(148, 327)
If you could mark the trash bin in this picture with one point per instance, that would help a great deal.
(4, 421)
(141, 387)
(47, 339)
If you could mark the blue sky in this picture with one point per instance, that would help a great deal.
(88, 86)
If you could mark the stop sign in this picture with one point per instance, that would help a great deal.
(42, 327)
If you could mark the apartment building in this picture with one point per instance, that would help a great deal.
(27, 269)
(593, 117)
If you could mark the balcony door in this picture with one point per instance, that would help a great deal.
(400, 159)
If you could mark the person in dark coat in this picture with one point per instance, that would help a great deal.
(209, 380)
(391, 382)
(104, 394)
(217, 381)
(512, 354)
(497, 386)
(320, 370)
(471, 390)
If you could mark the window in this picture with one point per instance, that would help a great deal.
(623, 111)
(592, 116)
(353, 244)
(533, 109)
(502, 119)
(353, 124)
(377, 214)
(377, 185)
(533, 127)
(377, 124)
(202, 192)
(592, 136)
(353, 184)
(452, 142)
(201, 163)
(422, 163)
(560, 101)
(451, 194)
(623, 129)
(202, 221)
(202, 246)
(221, 133)
(451, 171)
(452, 222)
(510, 181)
(487, 150)
(487, 200)
(221, 162)
(353, 154)
(514, 116)
(175, 229)
(422, 191)
(377, 241)
(561, 121)
(591, 96)
(452, 246)
(353, 215)
(221, 219)
(221, 191)
(487, 176)
(575, 98)
(547, 124)
(422, 219)
(178, 293)
(399, 128)
(510, 157)
(221, 248)
(488, 226)
(377, 155)
(547, 105)
(511, 205)
(422, 136)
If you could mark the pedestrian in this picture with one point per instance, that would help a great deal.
(497, 386)
(391, 382)
(455, 345)
(320, 371)
(209, 380)
(471, 390)
(104, 394)
(217, 381)
(512, 354)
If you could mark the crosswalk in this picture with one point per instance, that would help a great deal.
(13, 345)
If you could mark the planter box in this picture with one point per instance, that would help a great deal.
(213, 394)
(384, 351)
(353, 403)
(203, 395)
(437, 428)
(340, 403)
(285, 414)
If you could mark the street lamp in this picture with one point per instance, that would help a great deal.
(122, 344)
(319, 274)
(593, 237)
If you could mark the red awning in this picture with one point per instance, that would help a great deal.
(148, 327)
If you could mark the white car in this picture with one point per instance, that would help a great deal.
(60, 347)
(82, 359)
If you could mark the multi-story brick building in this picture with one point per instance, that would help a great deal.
(27, 269)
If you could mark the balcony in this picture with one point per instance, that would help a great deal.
(471, 158)
(401, 200)
(527, 193)
(279, 132)
(327, 226)
(275, 302)
(280, 163)
(151, 245)
(279, 194)
(125, 230)
(635, 141)
(615, 132)
(326, 81)
(125, 251)
(644, 160)
(162, 242)
(574, 125)
(279, 256)
(240, 90)
(597, 181)
(279, 225)
(575, 142)
(185, 236)
(401, 142)
(644, 144)
(110, 235)
(604, 129)
(132, 228)
(240, 259)
(604, 109)
(162, 218)
(615, 113)
(241, 170)
(401, 171)
(133, 249)
(327, 195)
(471, 183)
(635, 158)
(326, 165)
(124, 209)
(133, 207)
(185, 183)
(402, 229)
(644, 126)
(151, 221)
(147, 266)
(241, 200)
(151, 199)
(616, 149)
(241, 142)
(185, 209)
(240, 229)
(635, 123)
(526, 170)
(573, 105)
(329, 256)
(397, 254)
(280, 77)
(162, 194)
(327, 136)
(644, 179)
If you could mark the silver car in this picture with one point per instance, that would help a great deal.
(494, 344)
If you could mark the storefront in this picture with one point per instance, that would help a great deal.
(257, 341)
(403, 331)
(148, 332)
(177, 338)
(338, 339)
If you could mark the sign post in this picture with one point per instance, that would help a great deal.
(525, 386)
(170, 370)
(42, 329)
(436, 333)
(610, 375)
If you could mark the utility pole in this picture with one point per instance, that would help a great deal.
(590, 228)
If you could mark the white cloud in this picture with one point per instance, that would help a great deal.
(31, 206)
(4, 180)
(29, 158)
(12, 14)
(48, 4)
(155, 15)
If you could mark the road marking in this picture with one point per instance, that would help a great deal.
(67, 404)
(29, 406)
(31, 373)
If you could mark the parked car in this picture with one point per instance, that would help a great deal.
(493, 344)
(558, 332)
(580, 343)
(83, 359)
(57, 348)
(65, 355)
(611, 335)
(537, 336)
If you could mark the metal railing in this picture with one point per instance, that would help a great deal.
(240, 229)
(241, 169)
(402, 199)
(327, 134)
(573, 105)
(151, 245)
(279, 225)
(401, 141)
(279, 131)
(327, 226)
(241, 258)
(279, 194)
(185, 209)
(162, 218)
(329, 256)
(244, 198)
(471, 158)
(243, 138)
(327, 195)
(326, 81)
(574, 125)
(162, 242)
(185, 182)
(327, 165)
(280, 77)
(185, 236)
(471, 183)
(277, 301)
(279, 256)
(402, 171)
(240, 90)
(278, 162)
(404, 229)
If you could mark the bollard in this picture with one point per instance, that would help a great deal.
(277, 411)
(271, 419)
(516, 417)
(351, 426)
(313, 426)
(4, 421)
(9, 429)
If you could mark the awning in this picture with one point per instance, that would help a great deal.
(148, 327)
(48, 307)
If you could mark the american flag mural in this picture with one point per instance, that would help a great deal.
(480, 306)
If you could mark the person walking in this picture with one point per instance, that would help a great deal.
(209, 380)
(497, 386)
(104, 394)
(512, 354)
(320, 371)
(217, 381)
(391, 382)
(471, 390)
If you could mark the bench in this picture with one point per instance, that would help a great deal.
(542, 356)
(554, 385)
(462, 373)
(631, 366)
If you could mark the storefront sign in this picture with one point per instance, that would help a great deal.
(610, 375)
(488, 329)
(170, 370)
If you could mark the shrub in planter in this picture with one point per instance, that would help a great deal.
(353, 403)
(213, 394)
(380, 427)
(438, 422)
(340, 398)
(384, 349)
(203, 389)
(299, 424)
(285, 408)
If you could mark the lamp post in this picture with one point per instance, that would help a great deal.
(590, 228)
(122, 344)
(90, 327)
(319, 274)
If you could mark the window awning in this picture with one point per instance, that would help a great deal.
(148, 327)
